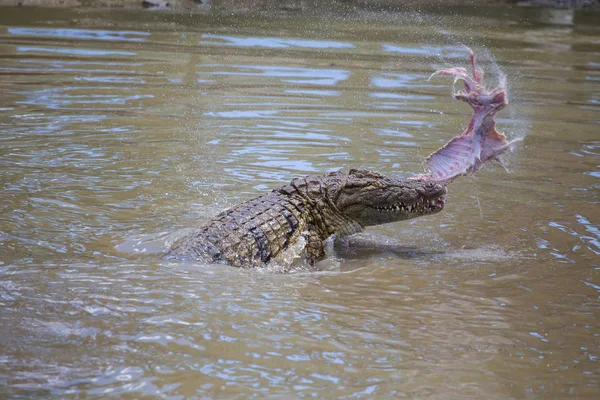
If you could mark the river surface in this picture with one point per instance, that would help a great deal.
(120, 130)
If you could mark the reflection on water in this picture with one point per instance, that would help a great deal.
(120, 131)
(307, 76)
(79, 34)
(273, 42)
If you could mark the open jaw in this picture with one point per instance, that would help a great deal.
(422, 206)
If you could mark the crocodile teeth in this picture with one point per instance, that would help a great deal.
(421, 206)
(394, 207)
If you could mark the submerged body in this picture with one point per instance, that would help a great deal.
(310, 209)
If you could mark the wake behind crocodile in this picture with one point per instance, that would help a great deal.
(293, 224)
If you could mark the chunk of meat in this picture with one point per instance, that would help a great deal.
(480, 142)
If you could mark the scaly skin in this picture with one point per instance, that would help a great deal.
(315, 207)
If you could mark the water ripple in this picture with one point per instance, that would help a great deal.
(81, 34)
(273, 42)
(73, 51)
(297, 75)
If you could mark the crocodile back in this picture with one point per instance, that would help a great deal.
(249, 234)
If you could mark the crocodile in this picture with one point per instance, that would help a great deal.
(312, 209)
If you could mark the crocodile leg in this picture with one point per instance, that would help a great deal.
(315, 248)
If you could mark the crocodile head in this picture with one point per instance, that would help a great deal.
(348, 201)
(370, 198)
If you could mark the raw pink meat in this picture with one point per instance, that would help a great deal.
(480, 142)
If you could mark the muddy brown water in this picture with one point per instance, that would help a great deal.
(120, 129)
